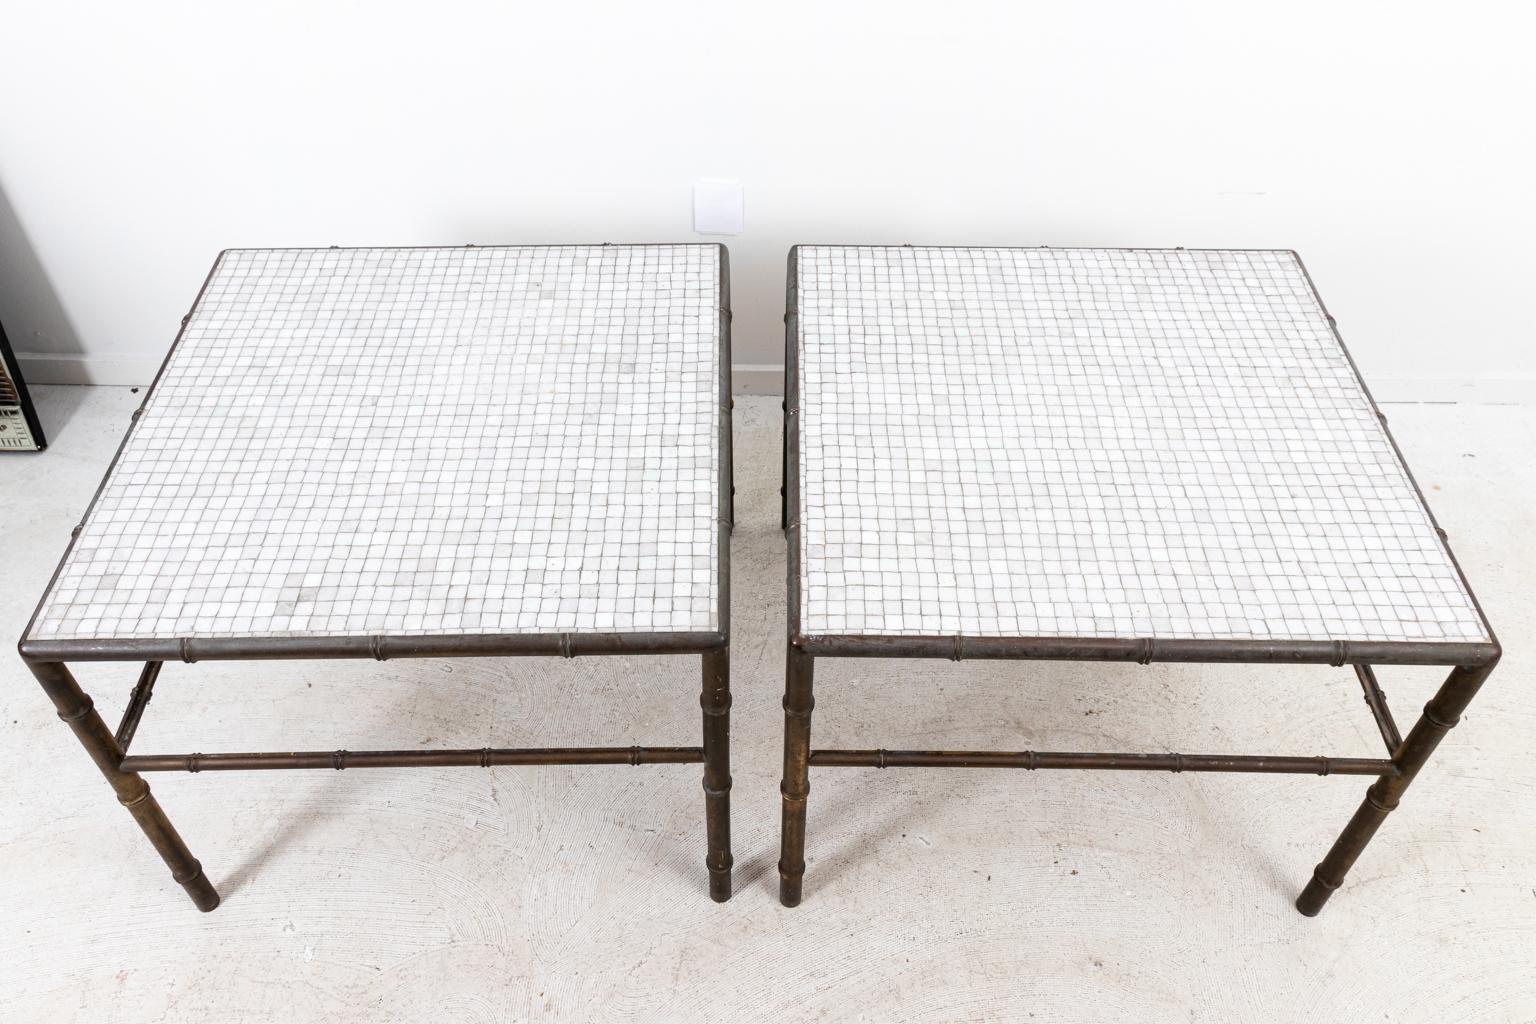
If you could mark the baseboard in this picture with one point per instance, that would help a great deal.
(47, 368)
(768, 379)
(757, 379)
(1492, 389)
(1511, 389)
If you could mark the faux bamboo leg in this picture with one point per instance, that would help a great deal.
(798, 702)
(1440, 716)
(78, 712)
(716, 701)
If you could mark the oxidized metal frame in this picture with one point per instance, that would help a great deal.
(48, 660)
(1470, 665)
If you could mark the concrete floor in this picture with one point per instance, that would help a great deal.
(568, 894)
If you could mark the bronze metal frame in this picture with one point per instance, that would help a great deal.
(1471, 663)
(48, 661)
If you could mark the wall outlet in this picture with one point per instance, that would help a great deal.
(717, 207)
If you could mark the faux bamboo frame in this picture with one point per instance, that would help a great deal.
(1470, 665)
(48, 660)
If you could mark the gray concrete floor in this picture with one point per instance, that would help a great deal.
(570, 894)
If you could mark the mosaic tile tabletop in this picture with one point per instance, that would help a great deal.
(1098, 444)
(419, 441)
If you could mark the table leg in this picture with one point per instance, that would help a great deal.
(798, 703)
(716, 702)
(1440, 715)
(79, 713)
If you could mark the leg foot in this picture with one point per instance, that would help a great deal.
(1312, 898)
(789, 888)
(720, 884)
(203, 894)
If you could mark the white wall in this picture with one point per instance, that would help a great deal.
(1390, 143)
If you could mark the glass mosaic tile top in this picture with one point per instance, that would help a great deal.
(419, 441)
(1095, 443)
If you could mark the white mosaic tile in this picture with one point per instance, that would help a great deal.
(1098, 443)
(419, 441)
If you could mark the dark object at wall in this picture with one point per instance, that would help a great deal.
(20, 430)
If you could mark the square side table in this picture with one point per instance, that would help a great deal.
(410, 453)
(1102, 455)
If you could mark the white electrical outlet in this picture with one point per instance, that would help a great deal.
(717, 207)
